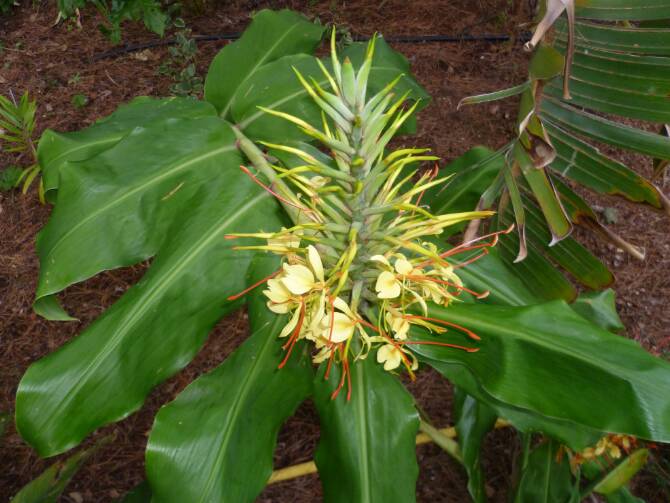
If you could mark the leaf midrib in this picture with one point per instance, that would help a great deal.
(140, 307)
(253, 70)
(217, 466)
(114, 202)
(361, 399)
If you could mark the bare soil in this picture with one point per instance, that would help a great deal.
(46, 59)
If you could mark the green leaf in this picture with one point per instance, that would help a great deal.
(367, 450)
(544, 479)
(584, 164)
(128, 216)
(470, 175)
(494, 96)
(600, 309)
(474, 420)
(141, 493)
(623, 495)
(215, 442)
(550, 344)
(271, 35)
(624, 10)
(153, 330)
(56, 149)
(48, 486)
(624, 471)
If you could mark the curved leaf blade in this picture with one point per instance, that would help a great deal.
(56, 149)
(271, 35)
(367, 448)
(215, 441)
(552, 345)
(126, 218)
(154, 330)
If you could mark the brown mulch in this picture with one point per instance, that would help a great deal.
(45, 60)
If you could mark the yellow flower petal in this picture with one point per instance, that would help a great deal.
(403, 266)
(315, 262)
(290, 326)
(298, 279)
(390, 356)
(381, 259)
(387, 286)
(343, 327)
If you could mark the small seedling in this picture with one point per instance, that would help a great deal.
(75, 79)
(10, 178)
(79, 100)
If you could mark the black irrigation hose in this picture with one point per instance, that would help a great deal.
(410, 39)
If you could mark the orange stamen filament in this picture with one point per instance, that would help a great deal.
(268, 189)
(294, 336)
(435, 343)
(469, 332)
(478, 295)
(247, 290)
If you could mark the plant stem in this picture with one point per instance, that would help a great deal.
(447, 443)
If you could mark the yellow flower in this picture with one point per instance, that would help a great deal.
(399, 325)
(280, 297)
(387, 286)
(343, 323)
(390, 356)
(403, 266)
(299, 279)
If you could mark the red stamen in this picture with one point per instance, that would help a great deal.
(435, 343)
(484, 252)
(333, 396)
(294, 336)
(470, 333)
(330, 363)
(281, 198)
(346, 365)
(247, 290)
(460, 288)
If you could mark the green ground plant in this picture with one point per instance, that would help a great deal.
(281, 192)
(17, 126)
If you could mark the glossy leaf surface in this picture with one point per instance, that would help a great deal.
(153, 330)
(271, 35)
(367, 448)
(522, 347)
(216, 440)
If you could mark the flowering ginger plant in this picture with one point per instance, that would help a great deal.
(366, 269)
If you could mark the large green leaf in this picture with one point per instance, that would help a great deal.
(474, 420)
(367, 448)
(119, 214)
(56, 149)
(544, 479)
(271, 35)
(155, 329)
(548, 360)
(216, 440)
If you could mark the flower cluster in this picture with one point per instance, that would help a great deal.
(610, 447)
(367, 271)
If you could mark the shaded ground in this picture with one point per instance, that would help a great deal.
(45, 61)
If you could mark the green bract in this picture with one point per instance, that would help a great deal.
(281, 189)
